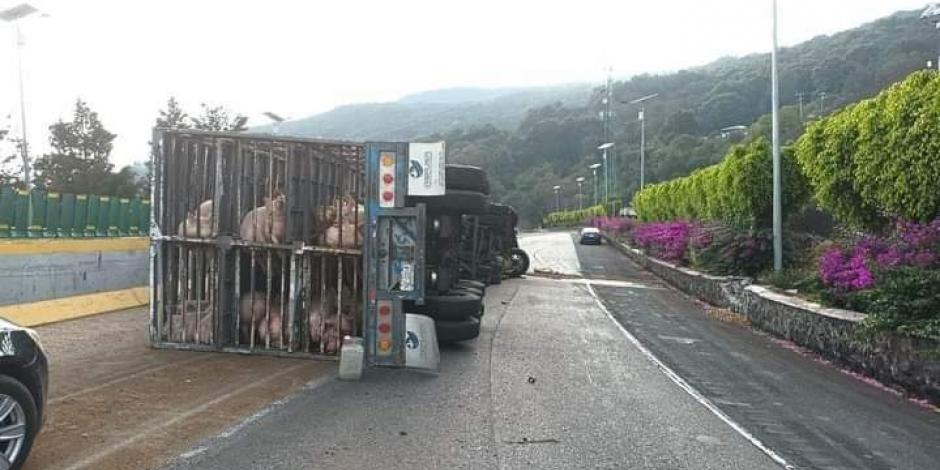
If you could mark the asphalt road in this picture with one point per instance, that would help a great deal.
(807, 411)
(551, 383)
(554, 382)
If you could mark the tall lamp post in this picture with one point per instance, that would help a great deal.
(642, 118)
(13, 15)
(932, 14)
(604, 148)
(580, 181)
(594, 168)
(557, 188)
(778, 194)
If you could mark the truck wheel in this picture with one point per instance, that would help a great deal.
(466, 177)
(472, 290)
(453, 202)
(22, 414)
(456, 305)
(471, 283)
(503, 210)
(518, 262)
(460, 330)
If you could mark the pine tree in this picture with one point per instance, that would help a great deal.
(80, 158)
(217, 118)
(173, 117)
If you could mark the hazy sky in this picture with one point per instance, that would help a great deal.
(297, 58)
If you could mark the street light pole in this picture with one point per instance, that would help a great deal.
(14, 15)
(594, 168)
(604, 147)
(642, 118)
(24, 150)
(778, 194)
(642, 146)
(580, 181)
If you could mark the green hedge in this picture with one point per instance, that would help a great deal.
(737, 190)
(879, 158)
(70, 215)
(570, 218)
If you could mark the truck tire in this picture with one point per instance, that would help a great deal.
(459, 330)
(503, 210)
(467, 178)
(453, 306)
(518, 262)
(471, 283)
(455, 201)
(472, 290)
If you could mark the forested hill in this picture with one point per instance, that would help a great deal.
(534, 138)
(555, 144)
(428, 112)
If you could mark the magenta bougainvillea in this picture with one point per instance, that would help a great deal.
(668, 241)
(853, 268)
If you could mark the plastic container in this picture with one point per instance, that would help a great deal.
(351, 357)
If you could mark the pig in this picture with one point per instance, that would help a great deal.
(198, 223)
(272, 326)
(266, 224)
(257, 306)
(351, 236)
(185, 331)
(346, 211)
(323, 321)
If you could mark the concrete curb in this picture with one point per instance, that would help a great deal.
(26, 246)
(70, 308)
(906, 362)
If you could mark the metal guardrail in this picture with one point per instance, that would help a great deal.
(63, 215)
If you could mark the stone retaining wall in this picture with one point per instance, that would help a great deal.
(909, 363)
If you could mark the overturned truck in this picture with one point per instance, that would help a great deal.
(273, 245)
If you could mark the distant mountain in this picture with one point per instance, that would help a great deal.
(433, 112)
(554, 145)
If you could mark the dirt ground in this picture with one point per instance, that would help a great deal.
(115, 403)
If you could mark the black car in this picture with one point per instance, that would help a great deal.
(590, 235)
(24, 383)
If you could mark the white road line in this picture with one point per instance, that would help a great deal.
(204, 446)
(689, 388)
(597, 282)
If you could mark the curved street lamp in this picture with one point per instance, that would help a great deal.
(641, 116)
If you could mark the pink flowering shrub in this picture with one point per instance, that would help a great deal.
(668, 241)
(855, 267)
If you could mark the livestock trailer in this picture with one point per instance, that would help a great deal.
(277, 245)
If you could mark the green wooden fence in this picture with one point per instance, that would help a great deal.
(70, 215)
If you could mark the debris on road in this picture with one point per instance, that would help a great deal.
(526, 441)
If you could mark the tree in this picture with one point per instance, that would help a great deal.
(9, 173)
(217, 118)
(173, 117)
(80, 158)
